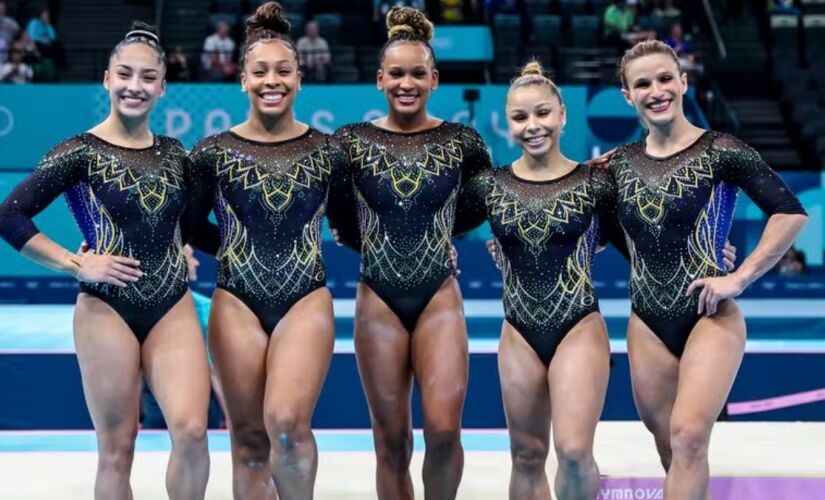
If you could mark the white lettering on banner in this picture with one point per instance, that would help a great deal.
(324, 121)
(9, 121)
(504, 132)
(178, 122)
(374, 114)
(631, 494)
(463, 115)
(216, 121)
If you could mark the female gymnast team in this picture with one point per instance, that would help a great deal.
(396, 190)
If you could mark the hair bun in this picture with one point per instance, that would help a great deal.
(269, 16)
(533, 68)
(141, 29)
(403, 20)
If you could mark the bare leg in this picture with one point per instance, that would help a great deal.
(109, 357)
(706, 373)
(174, 357)
(382, 348)
(299, 354)
(526, 398)
(440, 363)
(654, 373)
(578, 377)
(238, 345)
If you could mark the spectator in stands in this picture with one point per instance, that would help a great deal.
(620, 25)
(679, 45)
(41, 30)
(665, 8)
(792, 263)
(454, 12)
(44, 68)
(8, 32)
(177, 66)
(218, 50)
(313, 54)
(44, 36)
(15, 70)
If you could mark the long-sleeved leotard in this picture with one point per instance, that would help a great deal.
(676, 212)
(546, 233)
(270, 199)
(126, 202)
(406, 186)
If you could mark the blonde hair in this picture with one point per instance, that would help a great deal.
(642, 49)
(533, 74)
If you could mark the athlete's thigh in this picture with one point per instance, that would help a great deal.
(524, 391)
(109, 357)
(709, 364)
(654, 372)
(175, 364)
(440, 355)
(382, 349)
(299, 355)
(578, 377)
(238, 345)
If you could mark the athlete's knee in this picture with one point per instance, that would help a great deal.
(573, 454)
(394, 450)
(287, 429)
(689, 439)
(251, 447)
(189, 434)
(529, 458)
(442, 440)
(116, 453)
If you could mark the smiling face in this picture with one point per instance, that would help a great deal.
(535, 117)
(655, 87)
(271, 77)
(135, 80)
(407, 76)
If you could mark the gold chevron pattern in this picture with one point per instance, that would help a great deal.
(277, 186)
(652, 201)
(269, 280)
(571, 291)
(152, 187)
(409, 266)
(406, 176)
(534, 226)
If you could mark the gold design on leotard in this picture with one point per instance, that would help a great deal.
(700, 260)
(652, 201)
(408, 265)
(152, 185)
(406, 176)
(571, 291)
(166, 275)
(277, 186)
(241, 265)
(534, 226)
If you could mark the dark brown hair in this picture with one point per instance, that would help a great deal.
(269, 22)
(405, 24)
(642, 49)
(141, 33)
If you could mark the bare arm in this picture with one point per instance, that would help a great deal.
(779, 234)
(49, 254)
